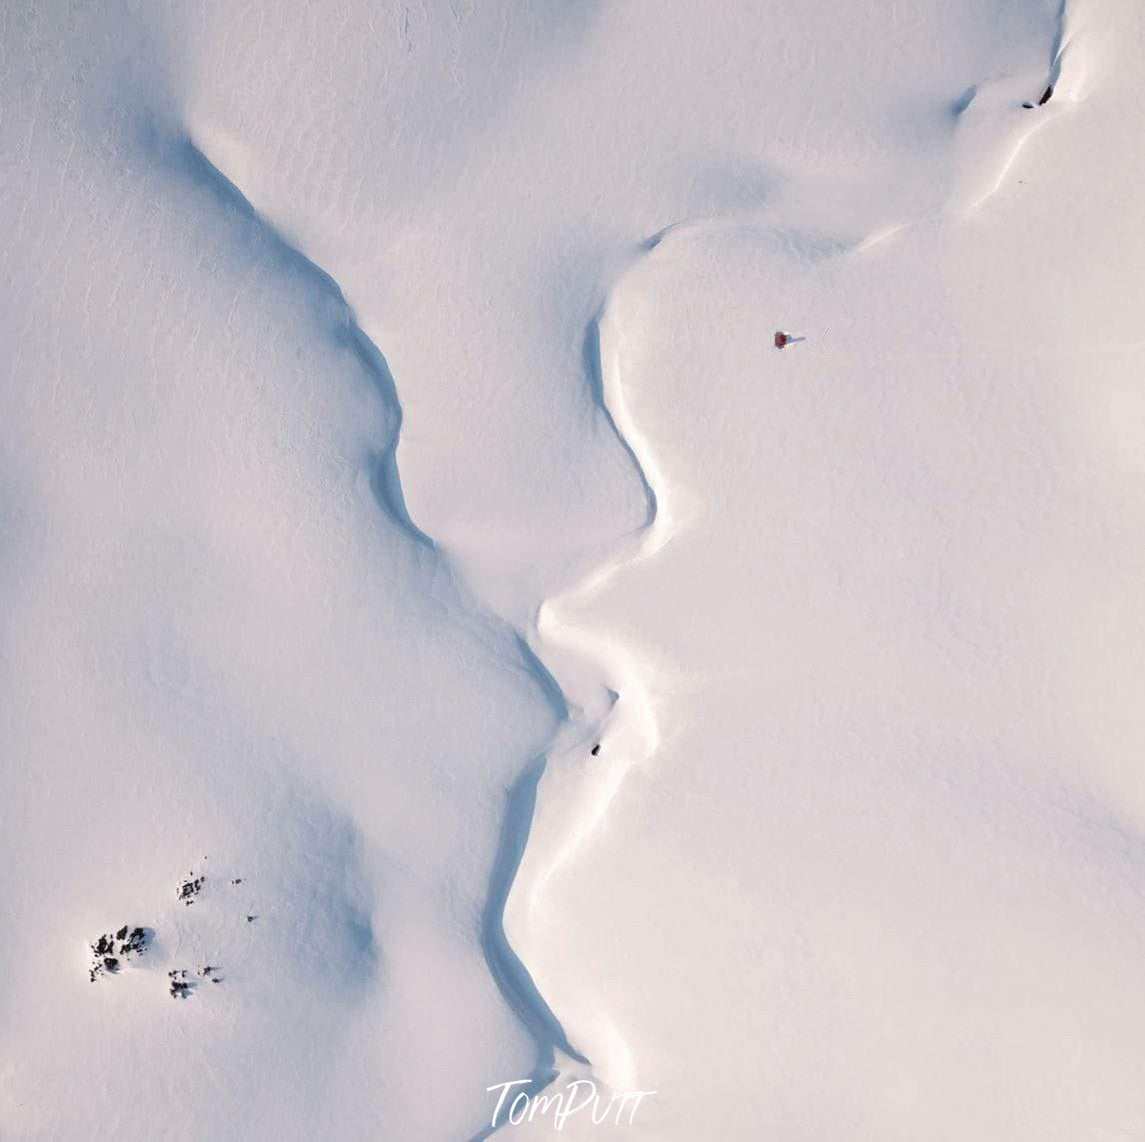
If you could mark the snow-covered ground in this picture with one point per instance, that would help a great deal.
(434, 612)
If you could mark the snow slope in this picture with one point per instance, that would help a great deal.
(397, 417)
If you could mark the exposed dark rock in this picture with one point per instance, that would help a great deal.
(190, 888)
(106, 958)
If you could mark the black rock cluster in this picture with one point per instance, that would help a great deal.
(190, 888)
(110, 952)
(181, 986)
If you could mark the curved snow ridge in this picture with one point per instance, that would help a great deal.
(607, 681)
(990, 123)
(611, 724)
(986, 160)
(607, 708)
(179, 150)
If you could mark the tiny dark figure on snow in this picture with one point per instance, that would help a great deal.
(782, 340)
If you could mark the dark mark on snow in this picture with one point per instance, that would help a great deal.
(108, 958)
(191, 888)
(784, 339)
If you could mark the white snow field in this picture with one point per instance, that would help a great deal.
(392, 415)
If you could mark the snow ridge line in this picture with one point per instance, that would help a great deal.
(183, 153)
(179, 152)
(551, 644)
(603, 683)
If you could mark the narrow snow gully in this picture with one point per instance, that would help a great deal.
(607, 726)
(606, 683)
(178, 153)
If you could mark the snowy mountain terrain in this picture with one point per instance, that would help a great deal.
(568, 542)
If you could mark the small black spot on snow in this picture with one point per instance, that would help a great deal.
(596, 749)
